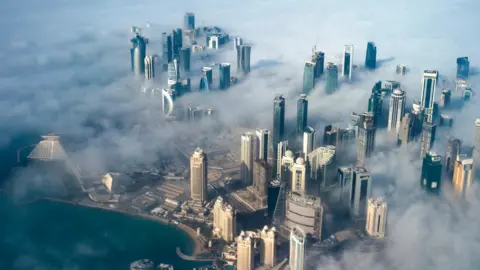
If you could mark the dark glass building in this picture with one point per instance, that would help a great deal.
(308, 77)
(463, 68)
(319, 59)
(189, 21)
(302, 114)
(375, 106)
(278, 130)
(366, 138)
(167, 47)
(177, 42)
(431, 172)
(371, 57)
(427, 138)
(224, 76)
(332, 78)
(138, 53)
(243, 58)
(185, 54)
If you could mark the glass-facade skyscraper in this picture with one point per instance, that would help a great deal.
(302, 114)
(177, 42)
(463, 68)
(278, 130)
(429, 82)
(332, 78)
(308, 77)
(189, 21)
(366, 138)
(243, 58)
(319, 59)
(167, 47)
(347, 62)
(137, 54)
(185, 54)
(206, 79)
(431, 172)
(224, 76)
(371, 57)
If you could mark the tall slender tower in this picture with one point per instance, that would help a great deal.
(278, 131)
(267, 247)
(138, 53)
(149, 67)
(332, 78)
(463, 68)
(476, 146)
(296, 259)
(360, 191)
(243, 58)
(406, 132)
(245, 252)
(396, 110)
(376, 217)
(454, 147)
(347, 68)
(366, 138)
(246, 166)
(198, 176)
(308, 77)
(462, 174)
(264, 138)
(281, 150)
(309, 140)
(429, 82)
(224, 76)
(431, 172)
(302, 114)
(319, 59)
(371, 57)
(185, 54)
(427, 138)
(167, 48)
(189, 21)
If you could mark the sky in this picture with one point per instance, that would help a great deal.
(65, 69)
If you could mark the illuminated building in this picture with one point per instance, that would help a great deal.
(376, 217)
(198, 176)
(462, 174)
(309, 140)
(296, 259)
(245, 252)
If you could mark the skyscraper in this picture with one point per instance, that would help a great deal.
(429, 82)
(302, 114)
(167, 48)
(375, 103)
(308, 77)
(189, 21)
(454, 146)
(262, 174)
(431, 172)
(319, 59)
(245, 252)
(281, 150)
(401, 70)
(360, 191)
(428, 138)
(322, 166)
(224, 220)
(406, 132)
(462, 174)
(476, 146)
(296, 260)
(371, 57)
(278, 130)
(198, 176)
(224, 76)
(243, 58)
(332, 78)
(309, 140)
(445, 98)
(149, 67)
(376, 217)
(286, 165)
(304, 212)
(246, 165)
(173, 72)
(463, 68)
(300, 174)
(237, 41)
(344, 182)
(366, 138)
(137, 54)
(206, 79)
(177, 41)
(263, 136)
(268, 252)
(185, 53)
(396, 110)
(347, 62)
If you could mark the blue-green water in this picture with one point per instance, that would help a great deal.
(51, 235)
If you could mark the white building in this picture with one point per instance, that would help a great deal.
(396, 110)
(376, 217)
(297, 249)
(322, 165)
(309, 140)
(246, 158)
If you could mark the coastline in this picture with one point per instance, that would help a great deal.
(191, 233)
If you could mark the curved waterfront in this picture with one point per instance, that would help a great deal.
(54, 235)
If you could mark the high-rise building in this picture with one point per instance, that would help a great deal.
(454, 147)
(185, 53)
(417, 118)
(194, 113)
(322, 166)
(198, 176)
(446, 120)
(428, 138)
(360, 191)
(463, 68)
(137, 54)
(296, 260)
(406, 132)
(305, 212)
(300, 175)
(431, 172)
(366, 138)
(245, 252)
(224, 220)
(167, 48)
(401, 70)
(281, 150)
(173, 72)
(302, 114)
(319, 59)
(278, 130)
(224, 76)
(268, 253)
(206, 79)
(445, 98)
(476, 146)
(243, 58)
(376, 217)
(237, 41)
(246, 165)
(263, 143)
(287, 161)
(396, 110)
(332, 78)
(262, 176)
(149, 67)
(189, 21)
(371, 57)
(177, 42)
(429, 82)
(462, 174)
(354, 123)
(375, 106)
(308, 77)
(344, 182)
(347, 63)
(309, 140)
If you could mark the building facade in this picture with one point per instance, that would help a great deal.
(149, 67)
(264, 138)
(305, 212)
(347, 62)
(198, 176)
(429, 85)
(224, 76)
(262, 175)
(360, 191)
(302, 114)
(462, 174)
(396, 110)
(278, 130)
(268, 253)
(431, 176)
(376, 217)
(300, 174)
(224, 220)
(371, 57)
(137, 54)
(322, 166)
(309, 140)
(245, 252)
(308, 77)
(332, 78)
(296, 259)
(366, 138)
(246, 158)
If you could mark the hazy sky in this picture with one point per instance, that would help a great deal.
(65, 67)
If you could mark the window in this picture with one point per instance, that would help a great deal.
(434, 185)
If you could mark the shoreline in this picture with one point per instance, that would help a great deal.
(191, 233)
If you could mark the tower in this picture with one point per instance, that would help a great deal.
(267, 246)
(454, 147)
(366, 138)
(173, 73)
(261, 178)
(224, 76)
(149, 67)
(462, 174)
(246, 166)
(189, 21)
(309, 140)
(429, 82)
(224, 220)
(371, 57)
(431, 172)
(299, 176)
(286, 166)
(401, 70)
(360, 191)
(185, 53)
(302, 114)
(396, 110)
(308, 77)
(332, 78)
(322, 165)
(243, 58)
(177, 42)
(376, 217)
(476, 146)
(198, 176)
(206, 79)
(167, 48)
(406, 132)
(427, 139)
(137, 54)
(347, 68)
(463, 68)
(319, 59)
(281, 151)
(245, 252)
(263, 136)
(296, 259)
(278, 130)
